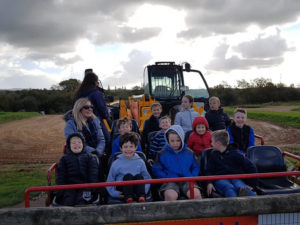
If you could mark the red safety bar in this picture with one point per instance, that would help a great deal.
(191, 181)
(262, 141)
(49, 173)
(291, 155)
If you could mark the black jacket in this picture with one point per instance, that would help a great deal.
(217, 119)
(151, 124)
(230, 162)
(75, 169)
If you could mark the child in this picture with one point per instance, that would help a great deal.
(124, 126)
(200, 138)
(176, 160)
(225, 159)
(216, 118)
(152, 124)
(159, 141)
(128, 166)
(76, 167)
(239, 132)
(186, 116)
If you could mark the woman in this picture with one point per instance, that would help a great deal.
(85, 122)
(90, 88)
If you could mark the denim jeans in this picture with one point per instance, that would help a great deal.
(230, 188)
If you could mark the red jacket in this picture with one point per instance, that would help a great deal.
(198, 142)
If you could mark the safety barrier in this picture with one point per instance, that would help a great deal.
(191, 181)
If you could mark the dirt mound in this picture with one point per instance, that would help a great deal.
(34, 140)
(275, 134)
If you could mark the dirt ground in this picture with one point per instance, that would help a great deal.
(34, 140)
(41, 139)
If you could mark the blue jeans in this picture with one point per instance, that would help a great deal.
(230, 188)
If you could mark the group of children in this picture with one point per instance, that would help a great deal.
(168, 155)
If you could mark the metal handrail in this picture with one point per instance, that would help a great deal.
(191, 181)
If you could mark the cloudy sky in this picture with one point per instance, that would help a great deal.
(45, 42)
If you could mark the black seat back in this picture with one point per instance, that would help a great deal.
(204, 159)
(267, 158)
(187, 135)
(270, 159)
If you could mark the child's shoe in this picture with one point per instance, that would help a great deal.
(243, 191)
(142, 199)
(129, 200)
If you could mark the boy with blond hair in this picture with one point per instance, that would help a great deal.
(124, 126)
(225, 159)
(216, 118)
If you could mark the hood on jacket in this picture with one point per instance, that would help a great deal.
(76, 134)
(200, 120)
(178, 129)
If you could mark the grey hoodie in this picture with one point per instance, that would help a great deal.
(122, 166)
(178, 129)
(185, 119)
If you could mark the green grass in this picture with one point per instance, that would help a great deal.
(296, 109)
(11, 116)
(268, 104)
(284, 118)
(16, 178)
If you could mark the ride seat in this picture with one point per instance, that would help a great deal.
(161, 91)
(268, 159)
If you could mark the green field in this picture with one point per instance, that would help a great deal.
(16, 178)
(283, 118)
(11, 116)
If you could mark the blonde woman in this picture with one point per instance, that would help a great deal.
(85, 122)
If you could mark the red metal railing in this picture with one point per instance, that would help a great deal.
(262, 141)
(191, 181)
(291, 155)
(49, 173)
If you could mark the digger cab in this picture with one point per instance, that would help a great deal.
(168, 82)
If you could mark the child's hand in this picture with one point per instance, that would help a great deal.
(249, 187)
(151, 161)
(209, 189)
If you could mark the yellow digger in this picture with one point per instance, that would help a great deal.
(167, 83)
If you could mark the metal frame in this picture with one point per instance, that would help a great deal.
(191, 180)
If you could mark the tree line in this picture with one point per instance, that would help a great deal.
(59, 98)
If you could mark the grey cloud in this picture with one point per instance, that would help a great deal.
(132, 70)
(58, 60)
(272, 46)
(232, 16)
(259, 53)
(235, 63)
(15, 79)
(129, 34)
(56, 26)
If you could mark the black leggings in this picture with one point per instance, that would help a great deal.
(133, 191)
